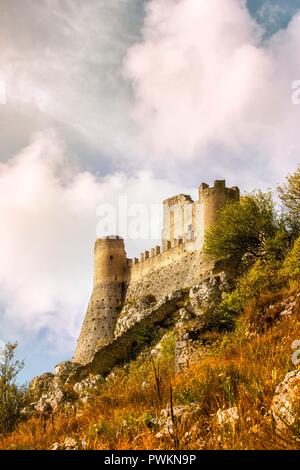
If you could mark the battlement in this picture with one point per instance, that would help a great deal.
(186, 219)
(158, 251)
(219, 187)
(177, 263)
(180, 199)
(109, 238)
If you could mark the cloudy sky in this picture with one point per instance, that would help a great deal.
(136, 99)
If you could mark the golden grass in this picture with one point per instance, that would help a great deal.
(239, 370)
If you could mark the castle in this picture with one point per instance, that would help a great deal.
(178, 263)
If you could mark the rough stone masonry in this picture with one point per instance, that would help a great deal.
(178, 264)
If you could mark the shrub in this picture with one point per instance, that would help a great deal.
(291, 265)
(12, 396)
(290, 198)
(243, 229)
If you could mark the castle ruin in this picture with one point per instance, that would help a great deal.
(178, 263)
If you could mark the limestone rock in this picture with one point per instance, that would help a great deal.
(208, 293)
(40, 385)
(48, 392)
(56, 446)
(185, 349)
(183, 316)
(91, 383)
(64, 369)
(285, 407)
(50, 400)
(70, 372)
(227, 420)
(132, 315)
(184, 417)
(87, 388)
(70, 443)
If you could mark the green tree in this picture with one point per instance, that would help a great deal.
(11, 396)
(291, 265)
(290, 197)
(246, 229)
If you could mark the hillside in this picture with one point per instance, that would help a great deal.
(222, 399)
(209, 365)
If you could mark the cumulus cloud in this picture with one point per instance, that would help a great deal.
(48, 211)
(203, 78)
(141, 106)
(191, 82)
(63, 61)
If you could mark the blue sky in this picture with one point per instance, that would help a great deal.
(126, 98)
(284, 10)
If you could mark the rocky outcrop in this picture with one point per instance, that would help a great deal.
(139, 325)
(86, 389)
(171, 422)
(50, 392)
(70, 443)
(227, 422)
(209, 292)
(285, 408)
(133, 313)
(185, 348)
(125, 346)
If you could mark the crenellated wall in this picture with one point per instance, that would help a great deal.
(179, 263)
(177, 268)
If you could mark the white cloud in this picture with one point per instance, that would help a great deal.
(48, 212)
(64, 60)
(208, 97)
(206, 90)
(203, 79)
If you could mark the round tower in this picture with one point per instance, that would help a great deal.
(211, 200)
(215, 198)
(110, 281)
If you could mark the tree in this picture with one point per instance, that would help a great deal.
(291, 265)
(290, 197)
(247, 228)
(11, 396)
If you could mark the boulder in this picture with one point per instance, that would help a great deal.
(184, 417)
(70, 443)
(227, 421)
(208, 293)
(285, 407)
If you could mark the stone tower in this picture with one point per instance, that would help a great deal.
(186, 220)
(211, 200)
(110, 278)
(178, 263)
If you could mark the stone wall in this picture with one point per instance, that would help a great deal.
(178, 264)
(110, 280)
(177, 268)
(131, 341)
(178, 217)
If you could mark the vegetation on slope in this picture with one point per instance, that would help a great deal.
(11, 396)
(248, 354)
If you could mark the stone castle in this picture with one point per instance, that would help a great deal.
(178, 264)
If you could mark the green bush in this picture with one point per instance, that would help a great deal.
(12, 397)
(291, 265)
(243, 229)
(290, 198)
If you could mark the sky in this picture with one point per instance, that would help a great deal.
(126, 100)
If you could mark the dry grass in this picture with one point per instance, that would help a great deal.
(239, 369)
